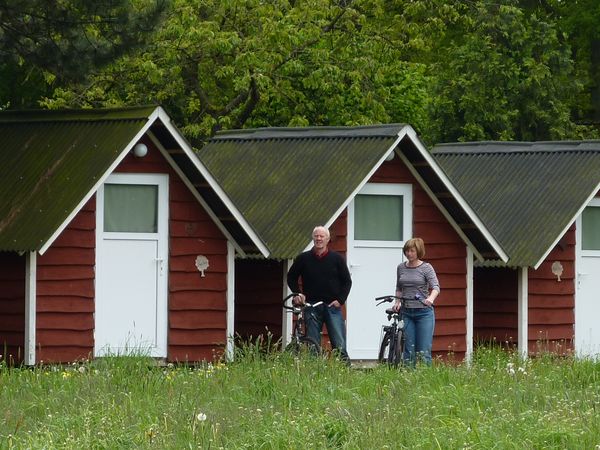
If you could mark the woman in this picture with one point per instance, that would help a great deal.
(418, 286)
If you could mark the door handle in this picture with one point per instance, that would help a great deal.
(160, 262)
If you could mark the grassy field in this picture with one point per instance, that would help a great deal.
(278, 402)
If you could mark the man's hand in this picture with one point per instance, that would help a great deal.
(335, 304)
(397, 305)
(299, 300)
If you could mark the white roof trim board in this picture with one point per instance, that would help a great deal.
(573, 219)
(98, 183)
(214, 185)
(468, 210)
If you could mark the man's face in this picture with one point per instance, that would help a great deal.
(320, 239)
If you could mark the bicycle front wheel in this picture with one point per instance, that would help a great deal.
(398, 347)
(384, 348)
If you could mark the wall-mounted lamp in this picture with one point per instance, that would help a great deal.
(557, 269)
(390, 156)
(140, 150)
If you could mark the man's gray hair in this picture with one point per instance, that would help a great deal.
(322, 228)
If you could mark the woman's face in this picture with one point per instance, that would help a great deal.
(411, 254)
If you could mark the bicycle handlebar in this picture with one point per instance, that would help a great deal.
(386, 299)
(295, 308)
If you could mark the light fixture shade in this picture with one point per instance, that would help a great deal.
(140, 150)
(390, 156)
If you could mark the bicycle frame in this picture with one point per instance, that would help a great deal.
(392, 342)
(299, 337)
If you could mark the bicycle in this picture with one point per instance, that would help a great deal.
(300, 341)
(392, 342)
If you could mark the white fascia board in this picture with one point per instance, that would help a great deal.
(195, 193)
(464, 205)
(30, 308)
(365, 180)
(230, 347)
(470, 308)
(186, 147)
(441, 207)
(100, 180)
(523, 311)
(561, 234)
(286, 318)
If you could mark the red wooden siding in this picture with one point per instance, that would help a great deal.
(552, 302)
(339, 234)
(446, 251)
(258, 295)
(65, 292)
(12, 307)
(495, 315)
(197, 305)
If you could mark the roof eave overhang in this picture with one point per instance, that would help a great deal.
(401, 133)
(194, 192)
(443, 178)
(569, 223)
(46, 245)
(160, 114)
(187, 149)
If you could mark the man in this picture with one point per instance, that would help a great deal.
(325, 277)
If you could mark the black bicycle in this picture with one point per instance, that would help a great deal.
(392, 342)
(300, 341)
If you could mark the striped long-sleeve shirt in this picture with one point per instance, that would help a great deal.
(416, 281)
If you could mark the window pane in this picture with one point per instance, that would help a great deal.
(378, 217)
(130, 208)
(590, 228)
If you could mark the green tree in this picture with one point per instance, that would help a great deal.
(580, 22)
(464, 70)
(220, 64)
(46, 43)
(502, 74)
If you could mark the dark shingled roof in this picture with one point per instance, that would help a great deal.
(526, 193)
(284, 181)
(50, 160)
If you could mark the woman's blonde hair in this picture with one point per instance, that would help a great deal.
(417, 244)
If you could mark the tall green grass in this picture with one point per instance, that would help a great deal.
(276, 401)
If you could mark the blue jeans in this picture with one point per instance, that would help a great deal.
(336, 327)
(418, 332)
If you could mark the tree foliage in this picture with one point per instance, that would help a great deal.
(229, 64)
(580, 22)
(463, 70)
(502, 75)
(46, 43)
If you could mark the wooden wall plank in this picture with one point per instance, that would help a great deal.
(552, 302)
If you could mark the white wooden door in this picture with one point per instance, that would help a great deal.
(587, 297)
(131, 265)
(379, 222)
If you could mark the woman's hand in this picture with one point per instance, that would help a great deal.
(397, 306)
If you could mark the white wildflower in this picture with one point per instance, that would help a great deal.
(201, 417)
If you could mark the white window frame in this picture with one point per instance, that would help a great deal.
(595, 202)
(395, 189)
